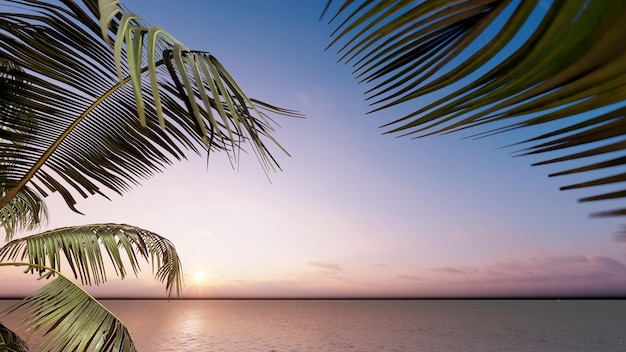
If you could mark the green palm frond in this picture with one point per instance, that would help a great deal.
(105, 119)
(25, 212)
(10, 341)
(27, 209)
(499, 65)
(71, 320)
(84, 248)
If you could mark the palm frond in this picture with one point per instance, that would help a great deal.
(499, 65)
(84, 248)
(71, 320)
(25, 212)
(10, 341)
(105, 119)
(27, 209)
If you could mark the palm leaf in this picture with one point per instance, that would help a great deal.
(482, 63)
(10, 341)
(84, 249)
(27, 209)
(71, 320)
(105, 119)
(25, 212)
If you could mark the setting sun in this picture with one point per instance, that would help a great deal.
(199, 278)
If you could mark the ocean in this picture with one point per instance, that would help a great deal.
(372, 325)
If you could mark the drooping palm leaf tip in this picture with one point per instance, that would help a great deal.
(10, 342)
(106, 117)
(71, 320)
(498, 66)
(26, 210)
(83, 248)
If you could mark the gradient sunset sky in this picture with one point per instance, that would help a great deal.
(354, 213)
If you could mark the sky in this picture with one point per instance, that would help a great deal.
(353, 213)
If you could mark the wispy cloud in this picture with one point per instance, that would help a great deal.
(315, 97)
(458, 234)
(408, 277)
(556, 275)
(482, 232)
(561, 267)
(325, 266)
(448, 270)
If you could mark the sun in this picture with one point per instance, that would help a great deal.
(199, 278)
(199, 283)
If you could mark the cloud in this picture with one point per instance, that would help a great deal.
(325, 266)
(408, 277)
(482, 232)
(556, 275)
(304, 98)
(561, 268)
(458, 234)
(549, 276)
(314, 98)
(202, 233)
(448, 270)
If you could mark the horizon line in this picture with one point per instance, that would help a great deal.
(345, 298)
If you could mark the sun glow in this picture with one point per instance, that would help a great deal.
(199, 278)
(199, 283)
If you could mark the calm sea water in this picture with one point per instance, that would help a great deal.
(373, 325)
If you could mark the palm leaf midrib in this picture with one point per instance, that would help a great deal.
(51, 149)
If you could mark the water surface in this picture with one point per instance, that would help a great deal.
(373, 325)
